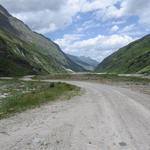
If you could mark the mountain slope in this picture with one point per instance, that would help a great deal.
(86, 62)
(133, 58)
(28, 52)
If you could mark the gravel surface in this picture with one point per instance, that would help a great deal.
(103, 118)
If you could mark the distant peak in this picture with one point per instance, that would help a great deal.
(4, 11)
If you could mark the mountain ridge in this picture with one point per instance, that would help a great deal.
(87, 63)
(39, 52)
(133, 58)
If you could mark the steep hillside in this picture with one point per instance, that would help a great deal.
(86, 62)
(23, 51)
(133, 58)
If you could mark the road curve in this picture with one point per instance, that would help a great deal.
(103, 118)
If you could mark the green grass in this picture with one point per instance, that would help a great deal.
(44, 93)
(96, 77)
(132, 58)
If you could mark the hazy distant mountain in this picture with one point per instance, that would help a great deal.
(23, 51)
(86, 62)
(133, 58)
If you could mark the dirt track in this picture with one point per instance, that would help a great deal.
(103, 118)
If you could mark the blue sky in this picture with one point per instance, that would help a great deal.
(94, 28)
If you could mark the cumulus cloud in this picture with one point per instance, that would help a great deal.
(18, 6)
(50, 15)
(140, 8)
(128, 28)
(46, 20)
(98, 47)
(43, 16)
(114, 29)
(110, 12)
(90, 5)
(87, 25)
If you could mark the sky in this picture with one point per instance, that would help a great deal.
(93, 28)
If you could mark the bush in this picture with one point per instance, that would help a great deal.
(52, 85)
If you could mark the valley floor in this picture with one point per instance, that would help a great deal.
(103, 118)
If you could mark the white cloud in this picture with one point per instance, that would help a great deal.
(140, 8)
(96, 4)
(46, 16)
(46, 20)
(98, 47)
(128, 28)
(18, 6)
(90, 24)
(68, 39)
(132, 30)
(50, 15)
(50, 28)
(110, 12)
(114, 29)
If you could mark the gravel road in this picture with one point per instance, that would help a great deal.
(102, 118)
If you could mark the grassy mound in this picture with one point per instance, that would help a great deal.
(42, 94)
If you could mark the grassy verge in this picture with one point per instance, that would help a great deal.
(96, 77)
(139, 84)
(44, 93)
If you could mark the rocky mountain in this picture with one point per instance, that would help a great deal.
(23, 51)
(133, 58)
(87, 63)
